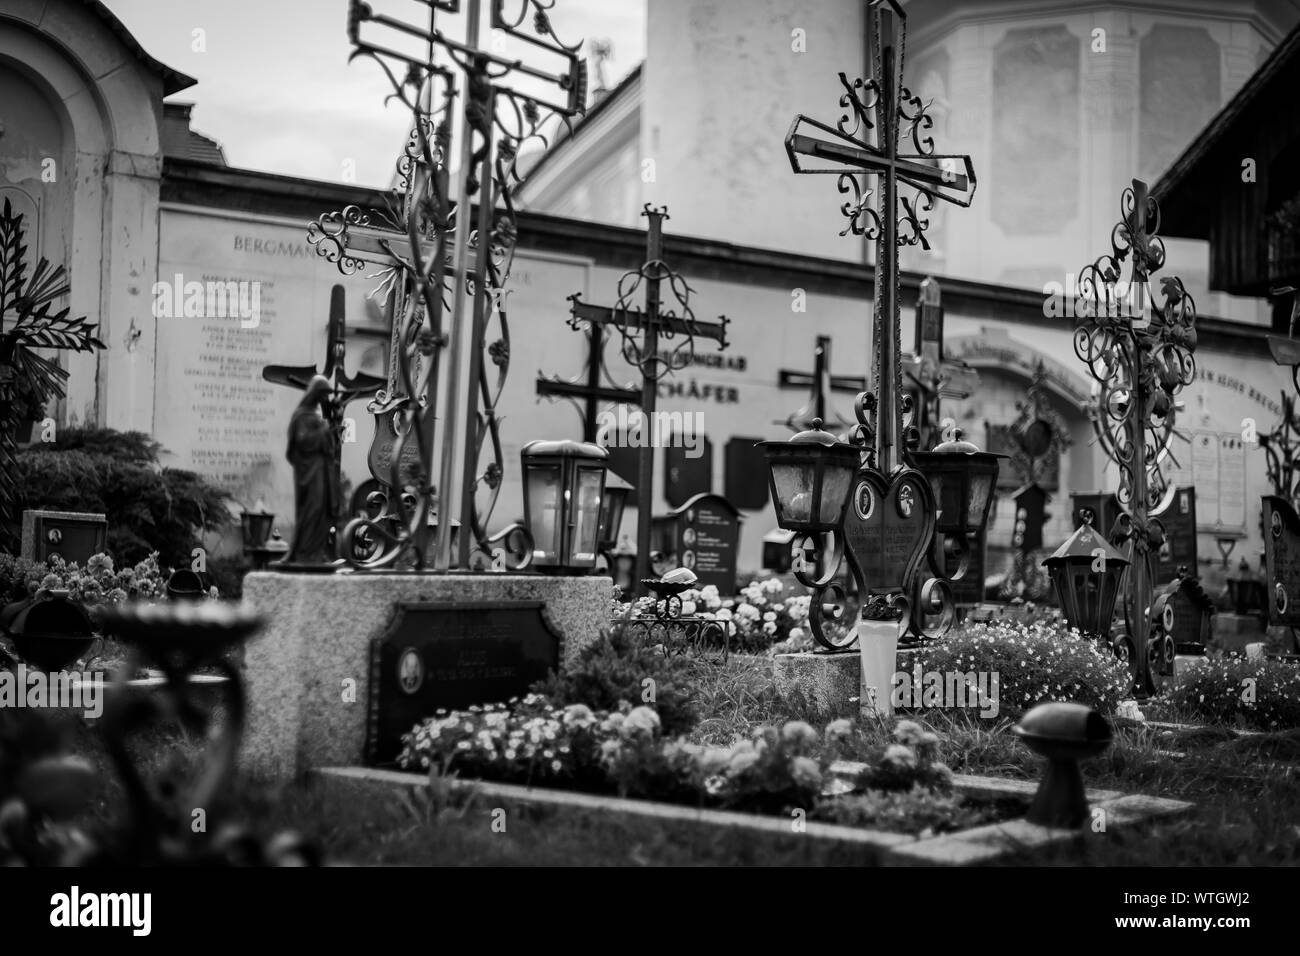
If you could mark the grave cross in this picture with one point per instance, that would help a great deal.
(930, 375)
(1139, 371)
(641, 331)
(346, 388)
(592, 392)
(866, 142)
(821, 383)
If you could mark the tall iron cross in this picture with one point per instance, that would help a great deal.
(643, 332)
(347, 388)
(866, 143)
(821, 383)
(591, 392)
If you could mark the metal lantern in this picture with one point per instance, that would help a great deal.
(810, 476)
(613, 503)
(256, 526)
(962, 478)
(1086, 573)
(564, 485)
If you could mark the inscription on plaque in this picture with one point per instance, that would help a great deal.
(887, 530)
(706, 539)
(444, 656)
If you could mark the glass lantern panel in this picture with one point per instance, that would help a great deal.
(586, 513)
(544, 509)
(981, 487)
(794, 489)
(835, 491)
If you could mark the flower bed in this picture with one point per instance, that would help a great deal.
(785, 772)
(762, 615)
(1034, 663)
(1246, 692)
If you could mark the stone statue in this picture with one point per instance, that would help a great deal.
(316, 492)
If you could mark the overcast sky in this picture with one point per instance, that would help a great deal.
(276, 90)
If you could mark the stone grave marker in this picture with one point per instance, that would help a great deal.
(704, 536)
(1179, 549)
(73, 536)
(451, 655)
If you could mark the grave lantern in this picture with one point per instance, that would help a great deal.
(256, 526)
(1086, 573)
(564, 484)
(612, 504)
(962, 478)
(810, 477)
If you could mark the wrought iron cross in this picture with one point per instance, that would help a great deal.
(926, 370)
(1139, 369)
(448, 257)
(346, 388)
(821, 383)
(642, 332)
(881, 115)
(593, 391)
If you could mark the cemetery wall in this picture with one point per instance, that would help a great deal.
(215, 414)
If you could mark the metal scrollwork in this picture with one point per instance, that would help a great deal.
(424, 276)
(1138, 371)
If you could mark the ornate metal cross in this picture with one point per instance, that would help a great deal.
(446, 257)
(347, 388)
(933, 378)
(881, 116)
(821, 383)
(889, 528)
(593, 391)
(643, 331)
(1139, 369)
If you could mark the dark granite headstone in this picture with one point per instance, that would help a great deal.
(444, 655)
(746, 484)
(705, 537)
(1282, 561)
(886, 528)
(688, 472)
(73, 536)
(1179, 549)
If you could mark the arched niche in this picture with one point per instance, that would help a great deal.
(76, 68)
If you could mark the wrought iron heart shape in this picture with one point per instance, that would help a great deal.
(888, 527)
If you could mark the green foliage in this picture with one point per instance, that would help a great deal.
(1246, 692)
(1034, 663)
(149, 508)
(616, 669)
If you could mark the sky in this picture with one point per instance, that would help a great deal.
(275, 88)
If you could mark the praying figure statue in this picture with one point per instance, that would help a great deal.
(312, 453)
